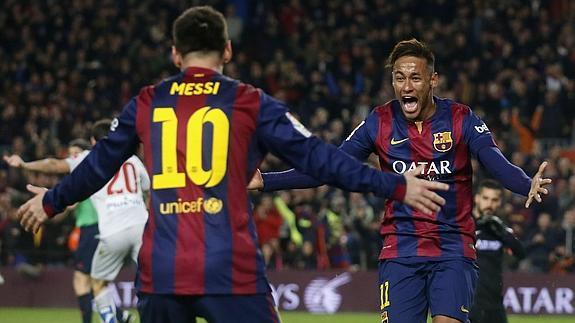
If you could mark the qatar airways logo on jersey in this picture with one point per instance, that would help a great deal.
(430, 168)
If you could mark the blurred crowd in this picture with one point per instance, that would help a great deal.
(65, 64)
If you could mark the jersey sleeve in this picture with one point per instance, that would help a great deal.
(103, 161)
(285, 137)
(359, 144)
(361, 141)
(475, 133)
(512, 177)
(74, 161)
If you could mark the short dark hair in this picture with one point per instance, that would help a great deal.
(101, 128)
(80, 143)
(200, 29)
(489, 183)
(411, 47)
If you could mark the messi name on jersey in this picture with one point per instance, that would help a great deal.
(194, 88)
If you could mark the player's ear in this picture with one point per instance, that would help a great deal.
(176, 57)
(228, 53)
(434, 80)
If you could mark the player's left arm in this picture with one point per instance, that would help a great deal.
(481, 143)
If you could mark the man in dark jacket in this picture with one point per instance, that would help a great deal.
(494, 238)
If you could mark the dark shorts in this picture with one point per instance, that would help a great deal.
(158, 308)
(86, 248)
(410, 288)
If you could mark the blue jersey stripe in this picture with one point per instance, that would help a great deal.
(406, 239)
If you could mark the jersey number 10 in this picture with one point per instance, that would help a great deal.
(171, 177)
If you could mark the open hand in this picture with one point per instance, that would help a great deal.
(257, 181)
(14, 160)
(420, 194)
(31, 214)
(537, 186)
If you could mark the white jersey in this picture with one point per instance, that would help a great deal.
(120, 203)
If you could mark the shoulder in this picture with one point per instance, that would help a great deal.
(138, 164)
(76, 159)
(248, 89)
(385, 110)
(80, 155)
(134, 159)
(242, 88)
(457, 108)
(147, 92)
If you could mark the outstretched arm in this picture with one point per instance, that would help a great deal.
(47, 165)
(512, 177)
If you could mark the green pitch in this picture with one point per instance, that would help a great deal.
(65, 315)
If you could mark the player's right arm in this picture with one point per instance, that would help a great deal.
(281, 134)
(47, 165)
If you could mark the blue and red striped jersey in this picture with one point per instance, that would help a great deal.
(203, 136)
(444, 144)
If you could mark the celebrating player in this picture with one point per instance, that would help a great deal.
(427, 260)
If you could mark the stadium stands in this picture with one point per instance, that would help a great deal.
(65, 64)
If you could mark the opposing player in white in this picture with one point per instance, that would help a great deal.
(122, 215)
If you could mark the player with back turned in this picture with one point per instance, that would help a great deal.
(493, 239)
(204, 135)
(427, 262)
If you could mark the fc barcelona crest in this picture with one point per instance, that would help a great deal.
(442, 141)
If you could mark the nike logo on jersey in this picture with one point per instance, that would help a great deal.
(463, 309)
(397, 142)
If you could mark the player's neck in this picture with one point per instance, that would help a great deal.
(428, 112)
(212, 62)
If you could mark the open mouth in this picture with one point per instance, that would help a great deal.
(409, 103)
